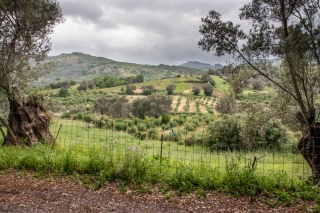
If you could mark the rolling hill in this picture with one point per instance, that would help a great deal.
(79, 66)
(201, 66)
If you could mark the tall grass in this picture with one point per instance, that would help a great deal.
(137, 168)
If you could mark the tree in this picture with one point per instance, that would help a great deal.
(207, 89)
(140, 78)
(117, 107)
(286, 29)
(196, 90)
(257, 85)
(65, 84)
(63, 92)
(227, 105)
(72, 83)
(83, 85)
(147, 89)
(170, 89)
(153, 106)
(130, 88)
(206, 78)
(24, 44)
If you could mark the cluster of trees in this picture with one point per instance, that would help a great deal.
(235, 132)
(63, 84)
(146, 89)
(110, 81)
(119, 107)
(285, 29)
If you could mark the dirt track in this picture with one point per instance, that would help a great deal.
(27, 194)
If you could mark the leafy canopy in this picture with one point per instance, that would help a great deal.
(24, 42)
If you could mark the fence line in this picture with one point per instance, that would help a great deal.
(190, 149)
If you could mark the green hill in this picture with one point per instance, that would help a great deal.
(201, 66)
(79, 67)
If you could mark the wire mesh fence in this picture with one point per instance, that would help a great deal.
(178, 145)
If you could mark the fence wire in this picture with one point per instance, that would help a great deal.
(189, 149)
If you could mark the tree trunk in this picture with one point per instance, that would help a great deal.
(29, 122)
(309, 147)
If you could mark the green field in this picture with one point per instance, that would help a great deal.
(75, 135)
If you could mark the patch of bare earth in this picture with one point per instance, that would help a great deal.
(192, 108)
(27, 194)
(183, 103)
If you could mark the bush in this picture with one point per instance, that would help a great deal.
(189, 127)
(66, 115)
(153, 134)
(142, 127)
(176, 137)
(165, 118)
(63, 92)
(189, 141)
(87, 118)
(132, 130)
(121, 126)
(141, 135)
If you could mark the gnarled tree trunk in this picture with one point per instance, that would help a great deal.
(309, 147)
(29, 122)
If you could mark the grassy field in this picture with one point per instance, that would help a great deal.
(75, 135)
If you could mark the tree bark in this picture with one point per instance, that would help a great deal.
(29, 122)
(309, 147)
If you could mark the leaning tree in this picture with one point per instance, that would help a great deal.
(24, 45)
(286, 29)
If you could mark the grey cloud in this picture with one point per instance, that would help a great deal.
(174, 22)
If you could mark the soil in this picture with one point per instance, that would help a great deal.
(22, 192)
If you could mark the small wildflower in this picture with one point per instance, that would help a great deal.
(136, 149)
(130, 147)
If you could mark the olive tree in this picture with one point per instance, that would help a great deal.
(286, 29)
(170, 89)
(24, 44)
(153, 106)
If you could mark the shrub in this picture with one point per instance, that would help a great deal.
(66, 115)
(189, 141)
(132, 130)
(165, 118)
(120, 126)
(142, 127)
(63, 92)
(87, 118)
(141, 135)
(153, 134)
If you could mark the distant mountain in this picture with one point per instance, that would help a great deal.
(201, 66)
(79, 66)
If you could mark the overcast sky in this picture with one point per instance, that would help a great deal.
(139, 31)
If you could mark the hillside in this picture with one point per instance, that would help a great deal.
(79, 67)
(201, 66)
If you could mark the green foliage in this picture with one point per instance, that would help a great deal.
(152, 106)
(207, 89)
(165, 118)
(120, 126)
(66, 115)
(227, 105)
(72, 83)
(130, 89)
(63, 92)
(153, 134)
(87, 118)
(170, 88)
(196, 90)
(207, 79)
(147, 89)
(117, 107)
